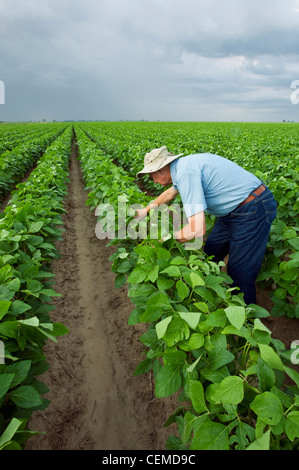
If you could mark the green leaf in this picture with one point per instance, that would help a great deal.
(14, 284)
(163, 254)
(50, 293)
(202, 306)
(20, 369)
(263, 443)
(172, 271)
(5, 273)
(162, 326)
(192, 318)
(229, 391)
(135, 316)
(9, 328)
(270, 357)
(189, 421)
(34, 321)
(260, 332)
(265, 374)
(160, 300)
(150, 339)
(33, 285)
(35, 227)
(259, 311)
(141, 290)
(143, 367)
(280, 293)
(219, 357)
(11, 445)
(35, 240)
(193, 365)
(235, 315)
(178, 330)
(120, 280)
(4, 307)
(196, 280)
(196, 341)
(258, 325)
(289, 233)
(215, 376)
(151, 314)
(168, 381)
(268, 408)
(10, 432)
(18, 307)
(182, 289)
(137, 275)
(164, 283)
(124, 267)
(293, 374)
(59, 329)
(197, 396)
(153, 275)
(290, 274)
(217, 318)
(175, 357)
(25, 397)
(178, 260)
(210, 436)
(244, 435)
(295, 243)
(5, 382)
(292, 425)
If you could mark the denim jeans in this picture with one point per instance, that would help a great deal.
(243, 235)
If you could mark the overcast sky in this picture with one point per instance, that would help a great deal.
(188, 60)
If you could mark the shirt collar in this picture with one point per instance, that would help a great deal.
(173, 171)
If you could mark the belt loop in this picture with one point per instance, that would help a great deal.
(256, 195)
(253, 195)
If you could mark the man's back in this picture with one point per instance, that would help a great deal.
(216, 183)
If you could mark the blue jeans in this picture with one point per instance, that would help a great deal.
(243, 234)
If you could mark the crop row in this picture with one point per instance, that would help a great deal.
(14, 133)
(276, 163)
(28, 230)
(201, 341)
(15, 163)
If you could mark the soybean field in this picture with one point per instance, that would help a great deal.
(121, 341)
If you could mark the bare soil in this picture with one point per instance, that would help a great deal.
(283, 328)
(96, 401)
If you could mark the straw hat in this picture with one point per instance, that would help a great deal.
(157, 159)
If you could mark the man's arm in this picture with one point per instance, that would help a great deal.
(165, 197)
(195, 228)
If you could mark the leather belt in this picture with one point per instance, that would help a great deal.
(257, 192)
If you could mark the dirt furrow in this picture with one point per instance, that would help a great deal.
(96, 402)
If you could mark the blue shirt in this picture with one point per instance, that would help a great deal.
(208, 182)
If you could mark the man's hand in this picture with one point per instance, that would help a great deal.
(141, 213)
(165, 197)
(195, 228)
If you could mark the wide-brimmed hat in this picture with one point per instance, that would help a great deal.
(157, 159)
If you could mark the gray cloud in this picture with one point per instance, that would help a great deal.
(149, 59)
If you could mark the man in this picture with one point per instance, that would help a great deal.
(245, 209)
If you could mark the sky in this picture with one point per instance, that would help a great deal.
(167, 60)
